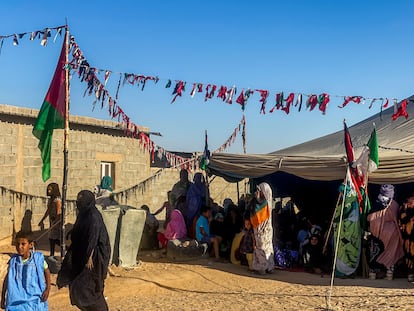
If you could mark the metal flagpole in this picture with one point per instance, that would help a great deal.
(65, 148)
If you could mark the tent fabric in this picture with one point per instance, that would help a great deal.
(324, 159)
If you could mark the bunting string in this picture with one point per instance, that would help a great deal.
(227, 94)
(42, 35)
(240, 128)
(97, 89)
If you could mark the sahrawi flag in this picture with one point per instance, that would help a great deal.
(354, 176)
(52, 113)
(368, 160)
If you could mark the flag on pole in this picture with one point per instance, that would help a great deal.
(368, 161)
(205, 159)
(347, 228)
(52, 113)
(349, 149)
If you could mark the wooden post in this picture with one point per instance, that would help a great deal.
(65, 148)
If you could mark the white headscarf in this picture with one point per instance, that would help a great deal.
(267, 192)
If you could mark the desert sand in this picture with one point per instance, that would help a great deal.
(156, 283)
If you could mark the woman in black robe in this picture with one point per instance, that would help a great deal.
(86, 263)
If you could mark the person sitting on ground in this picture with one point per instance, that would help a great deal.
(149, 235)
(27, 283)
(176, 229)
(247, 244)
(203, 231)
(226, 203)
(313, 260)
(103, 193)
(218, 228)
(234, 222)
(407, 231)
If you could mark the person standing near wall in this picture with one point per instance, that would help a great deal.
(196, 197)
(180, 188)
(53, 211)
(85, 265)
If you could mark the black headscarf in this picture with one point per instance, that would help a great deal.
(85, 201)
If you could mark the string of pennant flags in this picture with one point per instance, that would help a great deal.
(229, 95)
(42, 35)
(241, 127)
(98, 89)
(225, 93)
(95, 87)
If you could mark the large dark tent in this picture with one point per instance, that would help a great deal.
(311, 172)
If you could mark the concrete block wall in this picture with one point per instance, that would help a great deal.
(91, 141)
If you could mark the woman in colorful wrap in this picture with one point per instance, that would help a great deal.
(53, 211)
(407, 229)
(176, 229)
(261, 219)
(85, 265)
(383, 224)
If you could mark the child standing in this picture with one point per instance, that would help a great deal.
(247, 244)
(53, 210)
(27, 283)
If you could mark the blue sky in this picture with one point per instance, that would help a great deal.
(343, 48)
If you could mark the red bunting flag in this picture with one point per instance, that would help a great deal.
(401, 111)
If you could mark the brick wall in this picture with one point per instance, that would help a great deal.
(91, 141)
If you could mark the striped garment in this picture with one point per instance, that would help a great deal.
(261, 214)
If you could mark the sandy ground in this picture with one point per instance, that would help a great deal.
(159, 284)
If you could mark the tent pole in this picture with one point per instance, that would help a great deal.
(207, 190)
(238, 193)
(332, 221)
(337, 243)
(65, 149)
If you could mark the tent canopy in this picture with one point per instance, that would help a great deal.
(324, 159)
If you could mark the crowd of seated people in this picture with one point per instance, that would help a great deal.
(298, 240)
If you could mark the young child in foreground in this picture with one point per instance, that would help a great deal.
(27, 283)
